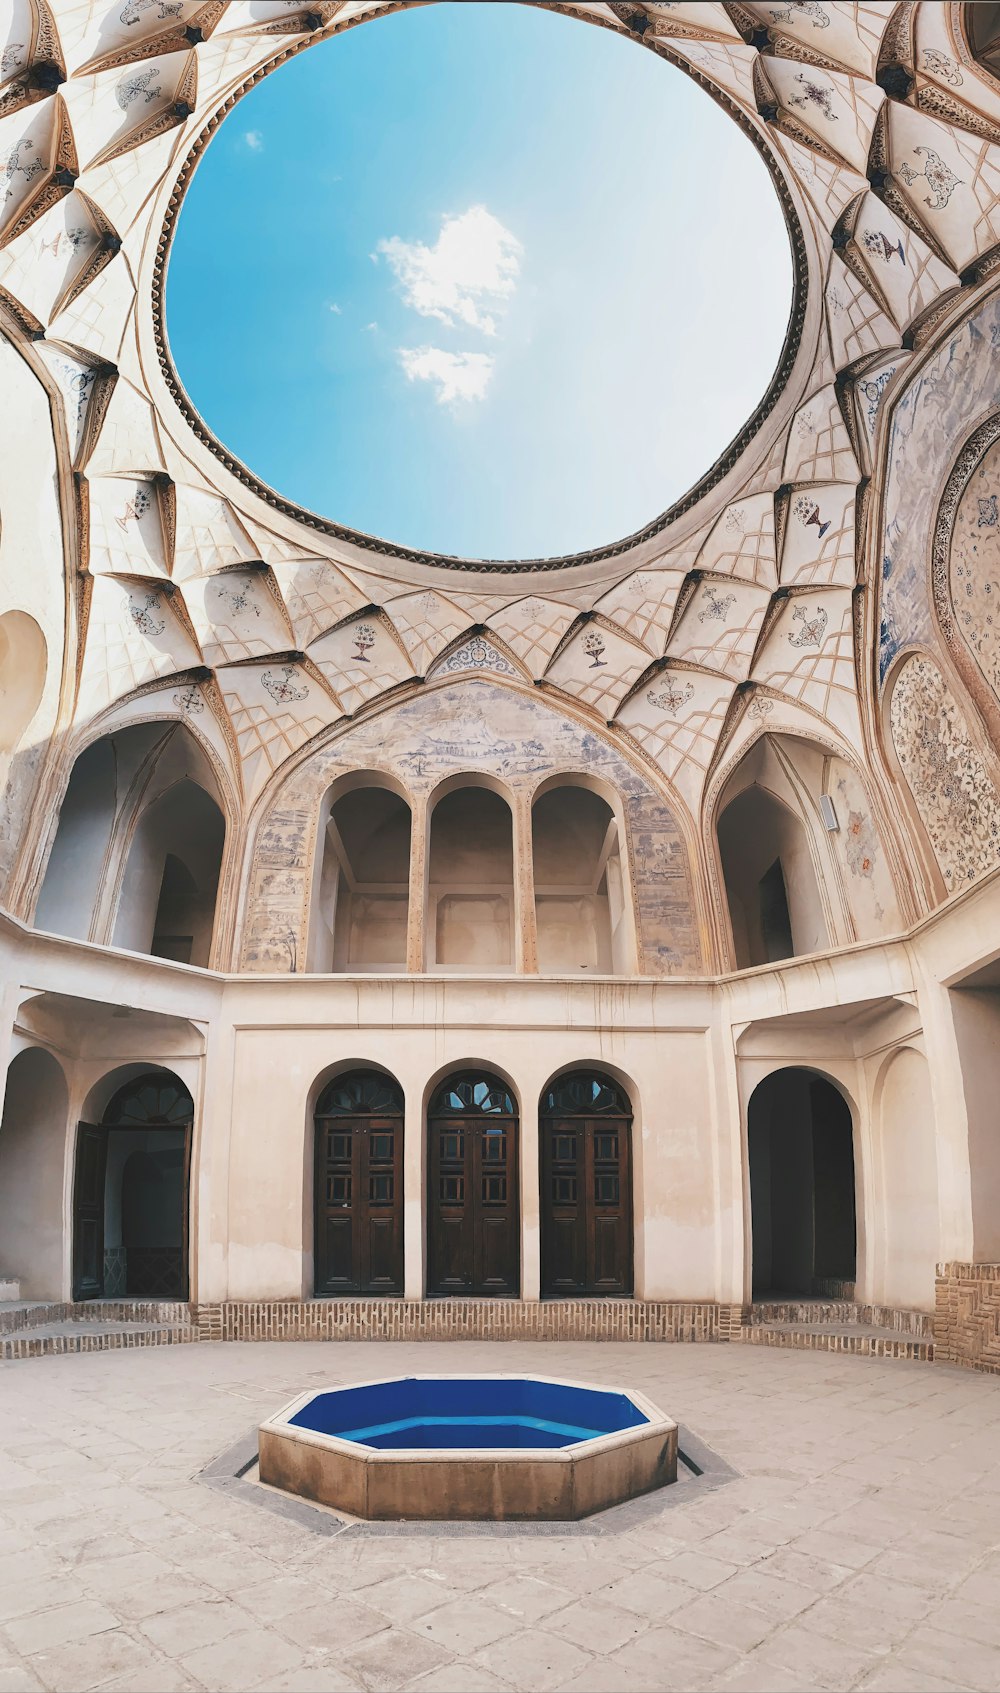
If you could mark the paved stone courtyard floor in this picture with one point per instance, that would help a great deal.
(858, 1547)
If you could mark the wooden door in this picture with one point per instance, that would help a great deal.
(359, 1188)
(473, 1213)
(586, 1177)
(88, 1211)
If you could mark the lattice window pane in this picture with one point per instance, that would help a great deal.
(381, 1148)
(564, 1190)
(381, 1187)
(606, 1188)
(494, 1190)
(339, 1189)
(606, 1146)
(451, 1190)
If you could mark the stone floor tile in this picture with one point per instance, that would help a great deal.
(465, 1625)
(933, 1651)
(598, 1628)
(897, 1678)
(675, 1662)
(806, 1571)
(89, 1663)
(24, 1597)
(465, 1677)
(979, 1622)
(403, 1597)
(698, 1570)
(607, 1675)
(269, 1601)
(749, 1676)
(331, 1627)
(837, 1548)
(18, 1678)
(775, 1598)
(151, 1598)
(390, 1659)
(311, 1678)
(249, 1658)
(527, 1598)
(651, 1593)
(534, 1661)
(59, 1626)
(817, 1659)
(188, 1626)
(714, 1616)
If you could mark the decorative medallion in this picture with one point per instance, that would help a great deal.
(364, 639)
(807, 512)
(816, 94)
(283, 686)
(593, 646)
(190, 700)
(939, 177)
(144, 85)
(14, 164)
(717, 608)
(813, 628)
(141, 613)
(478, 654)
(882, 246)
(671, 697)
(939, 64)
(134, 509)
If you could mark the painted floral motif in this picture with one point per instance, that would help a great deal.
(805, 428)
(73, 238)
(988, 515)
(760, 707)
(816, 94)
(802, 9)
(736, 520)
(142, 85)
(871, 390)
(79, 385)
(939, 64)
(807, 512)
(593, 646)
(134, 509)
(813, 628)
(142, 614)
(952, 788)
(478, 654)
(838, 305)
(132, 13)
(283, 687)
(13, 164)
(13, 58)
(716, 608)
(671, 697)
(364, 640)
(882, 246)
(939, 177)
(861, 844)
(190, 700)
(239, 600)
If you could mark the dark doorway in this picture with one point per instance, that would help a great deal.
(473, 1236)
(359, 1186)
(130, 1194)
(801, 1146)
(586, 1148)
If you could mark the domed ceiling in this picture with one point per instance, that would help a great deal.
(196, 593)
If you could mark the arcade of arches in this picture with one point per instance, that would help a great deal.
(614, 937)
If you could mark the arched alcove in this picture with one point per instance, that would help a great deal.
(470, 914)
(360, 909)
(580, 892)
(32, 1167)
(911, 1228)
(23, 662)
(473, 1213)
(775, 909)
(166, 906)
(130, 1192)
(800, 1140)
(137, 851)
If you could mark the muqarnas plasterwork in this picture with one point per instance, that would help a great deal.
(951, 786)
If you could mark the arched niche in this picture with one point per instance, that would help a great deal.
(769, 862)
(137, 850)
(360, 904)
(23, 663)
(800, 1143)
(583, 915)
(470, 878)
(33, 1133)
(585, 1155)
(907, 1151)
(358, 1186)
(945, 772)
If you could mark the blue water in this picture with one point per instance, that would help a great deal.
(426, 1414)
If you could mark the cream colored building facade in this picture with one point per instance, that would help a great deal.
(710, 818)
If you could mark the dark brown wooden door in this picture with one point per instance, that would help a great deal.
(586, 1177)
(88, 1211)
(473, 1235)
(359, 1187)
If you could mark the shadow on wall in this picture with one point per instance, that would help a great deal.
(33, 1135)
(802, 1185)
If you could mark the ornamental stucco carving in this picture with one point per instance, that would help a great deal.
(953, 791)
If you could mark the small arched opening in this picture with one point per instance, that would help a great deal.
(130, 1193)
(773, 896)
(171, 881)
(23, 664)
(580, 900)
(32, 1165)
(359, 920)
(585, 1145)
(473, 1215)
(802, 1187)
(358, 1186)
(470, 915)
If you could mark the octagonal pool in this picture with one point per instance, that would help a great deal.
(500, 1447)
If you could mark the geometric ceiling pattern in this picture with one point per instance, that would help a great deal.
(193, 583)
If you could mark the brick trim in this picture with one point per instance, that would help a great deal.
(467, 1319)
(967, 1315)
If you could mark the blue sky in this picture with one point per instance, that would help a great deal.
(491, 281)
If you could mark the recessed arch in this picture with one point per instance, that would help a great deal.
(584, 916)
(23, 667)
(359, 911)
(585, 1154)
(471, 911)
(473, 1210)
(131, 1221)
(33, 1148)
(769, 874)
(358, 1185)
(803, 1186)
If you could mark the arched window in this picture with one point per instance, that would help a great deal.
(360, 911)
(470, 917)
(586, 1176)
(130, 1196)
(358, 1186)
(473, 1239)
(579, 886)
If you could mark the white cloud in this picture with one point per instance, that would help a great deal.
(458, 376)
(254, 140)
(474, 261)
(332, 306)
